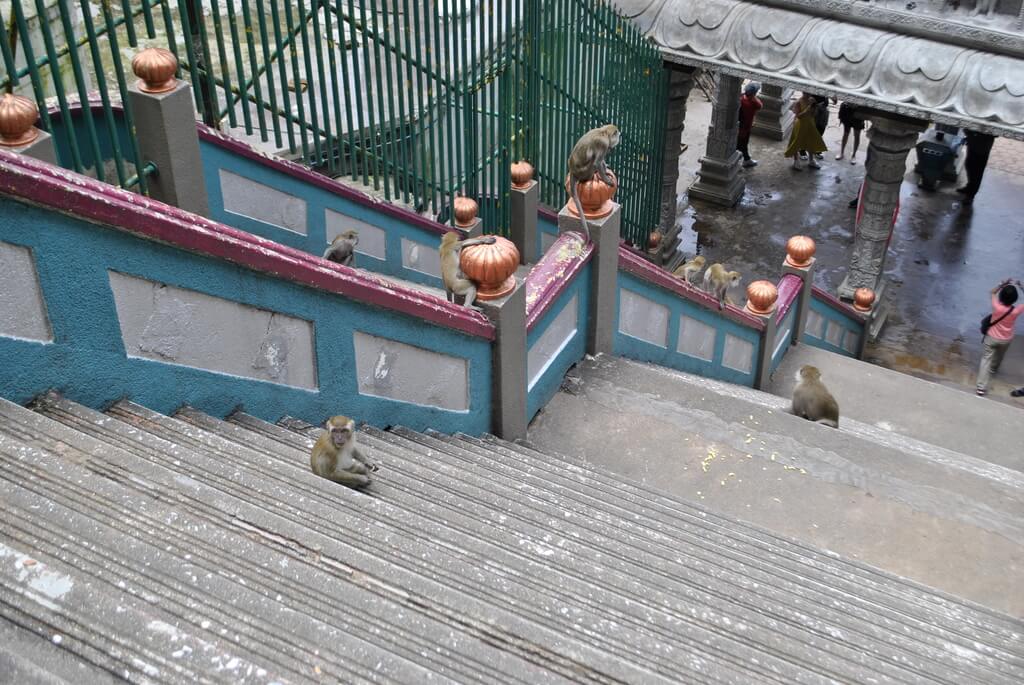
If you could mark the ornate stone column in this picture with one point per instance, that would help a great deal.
(886, 164)
(680, 82)
(719, 179)
(775, 120)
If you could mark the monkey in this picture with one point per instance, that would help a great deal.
(690, 269)
(812, 400)
(336, 457)
(587, 159)
(343, 248)
(455, 282)
(718, 281)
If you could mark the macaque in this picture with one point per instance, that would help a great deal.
(343, 248)
(812, 400)
(690, 269)
(455, 282)
(587, 159)
(718, 281)
(336, 457)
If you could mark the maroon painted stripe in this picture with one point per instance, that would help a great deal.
(837, 304)
(89, 199)
(643, 269)
(554, 273)
(548, 213)
(789, 290)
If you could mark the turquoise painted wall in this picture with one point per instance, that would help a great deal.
(634, 348)
(850, 326)
(549, 383)
(789, 320)
(87, 361)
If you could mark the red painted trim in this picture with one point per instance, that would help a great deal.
(89, 199)
(320, 181)
(789, 290)
(641, 268)
(837, 304)
(554, 273)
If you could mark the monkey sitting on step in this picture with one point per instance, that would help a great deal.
(455, 282)
(336, 457)
(812, 400)
(587, 159)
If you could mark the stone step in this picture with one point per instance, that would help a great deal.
(921, 512)
(918, 409)
(383, 584)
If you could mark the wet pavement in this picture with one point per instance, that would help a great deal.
(943, 261)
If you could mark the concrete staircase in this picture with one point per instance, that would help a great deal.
(933, 492)
(191, 549)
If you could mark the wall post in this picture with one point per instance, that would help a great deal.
(604, 273)
(523, 227)
(18, 115)
(508, 363)
(165, 123)
(800, 262)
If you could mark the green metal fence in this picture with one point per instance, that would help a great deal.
(419, 100)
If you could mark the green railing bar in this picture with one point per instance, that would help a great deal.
(401, 190)
(268, 69)
(349, 164)
(421, 109)
(310, 91)
(126, 10)
(254, 68)
(6, 53)
(33, 70)
(207, 62)
(225, 70)
(139, 179)
(122, 86)
(190, 55)
(369, 98)
(83, 93)
(282, 71)
(101, 82)
(172, 43)
(358, 96)
(147, 16)
(236, 46)
(297, 82)
(325, 101)
(380, 91)
(58, 86)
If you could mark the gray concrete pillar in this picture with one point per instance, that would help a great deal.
(523, 226)
(719, 180)
(508, 363)
(803, 303)
(42, 148)
(775, 119)
(885, 166)
(474, 229)
(604, 273)
(680, 83)
(165, 125)
(764, 354)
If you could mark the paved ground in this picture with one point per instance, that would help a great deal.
(944, 259)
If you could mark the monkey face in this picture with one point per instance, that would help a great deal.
(351, 235)
(340, 436)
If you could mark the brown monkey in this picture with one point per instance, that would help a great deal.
(718, 281)
(812, 400)
(343, 248)
(690, 269)
(336, 457)
(455, 282)
(587, 159)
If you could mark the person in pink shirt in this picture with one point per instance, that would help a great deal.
(1000, 333)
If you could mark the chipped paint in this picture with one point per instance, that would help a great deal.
(553, 274)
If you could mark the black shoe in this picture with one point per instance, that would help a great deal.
(1019, 392)
(853, 204)
(967, 201)
(962, 191)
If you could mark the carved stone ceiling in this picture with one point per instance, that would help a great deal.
(946, 71)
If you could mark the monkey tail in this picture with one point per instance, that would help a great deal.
(579, 208)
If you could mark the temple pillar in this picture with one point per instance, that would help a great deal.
(680, 82)
(719, 179)
(774, 120)
(890, 140)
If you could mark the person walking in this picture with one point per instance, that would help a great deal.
(805, 135)
(979, 145)
(821, 118)
(850, 123)
(749, 105)
(1000, 332)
